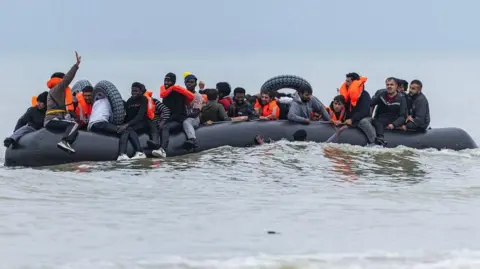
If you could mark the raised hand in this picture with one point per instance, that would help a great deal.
(79, 58)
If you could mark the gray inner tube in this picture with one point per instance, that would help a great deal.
(292, 82)
(79, 85)
(285, 82)
(115, 99)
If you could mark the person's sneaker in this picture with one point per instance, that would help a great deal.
(380, 141)
(190, 144)
(160, 153)
(152, 145)
(139, 155)
(8, 142)
(65, 146)
(123, 157)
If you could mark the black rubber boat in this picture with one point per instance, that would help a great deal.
(40, 148)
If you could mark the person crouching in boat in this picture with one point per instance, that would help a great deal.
(303, 105)
(224, 91)
(194, 109)
(418, 111)
(267, 108)
(357, 102)
(31, 121)
(240, 109)
(58, 110)
(83, 106)
(213, 111)
(336, 110)
(391, 109)
(176, 98)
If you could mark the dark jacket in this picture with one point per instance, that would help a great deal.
(394, 112)
(245, 109)
(420, 112)
(136, 110)
(176, 102)
(213, 111)
(34, 117)
(361, 110)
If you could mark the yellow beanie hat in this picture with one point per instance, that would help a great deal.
(185, 74)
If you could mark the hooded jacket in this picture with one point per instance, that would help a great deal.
(300, 111)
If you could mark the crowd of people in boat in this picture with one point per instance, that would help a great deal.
(185, 108)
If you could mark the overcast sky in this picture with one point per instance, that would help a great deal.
(211, 26)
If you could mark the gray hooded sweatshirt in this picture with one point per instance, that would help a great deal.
(300, 111)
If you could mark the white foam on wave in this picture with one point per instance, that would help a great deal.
(460, 259)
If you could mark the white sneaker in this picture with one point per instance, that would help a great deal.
(139, 155)
(160, 153)
(65, 146)
(123, 157)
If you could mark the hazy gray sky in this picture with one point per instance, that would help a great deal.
(211, 26)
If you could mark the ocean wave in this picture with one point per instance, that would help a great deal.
(459, 259)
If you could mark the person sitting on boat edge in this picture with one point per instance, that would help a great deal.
(224, 91)
(83, 106)
(418, 111)
(194, 109)
(176, 98)
(391, 109)
(101, 122)
(213, 111)
(240, 110)
(302, 106)
(60, 105)
(29, 122)
(357, 103)
(162, 115)
(267, 108)
(140, 112)
(336, 110)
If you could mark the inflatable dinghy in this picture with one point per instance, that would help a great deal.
(40, 148)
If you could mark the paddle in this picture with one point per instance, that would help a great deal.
(337, 133)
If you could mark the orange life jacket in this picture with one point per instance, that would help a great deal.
(34, 101)
(353, 92)
(268, 109)
(333, 116)
(68, 93)
(83, 110)
(181, 90)
(150, 105)
(205, 97)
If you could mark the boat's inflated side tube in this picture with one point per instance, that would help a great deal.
(40, 148)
